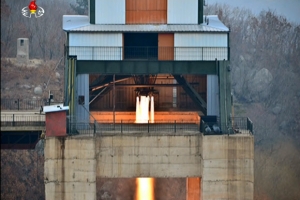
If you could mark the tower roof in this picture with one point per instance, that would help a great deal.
(80, 23)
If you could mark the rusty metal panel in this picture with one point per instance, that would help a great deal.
(151, 5)
(166, 46)
(182, 12)
(146, 11)
(110, 12)
(162, 4)
(130, 5)
(141, 5)
(56, 124)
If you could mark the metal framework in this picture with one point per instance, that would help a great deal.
(140, 67)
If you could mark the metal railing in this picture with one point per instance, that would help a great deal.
(148, 53)
(24, 104)
(119, 127)
(14, 120)
(212, 126)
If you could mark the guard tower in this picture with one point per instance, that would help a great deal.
(23, 50)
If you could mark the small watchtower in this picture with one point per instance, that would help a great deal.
(23, 50)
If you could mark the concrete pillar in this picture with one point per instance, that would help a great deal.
(70, 169)
(228, 167)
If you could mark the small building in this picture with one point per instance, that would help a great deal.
(56, 124)
(22, 50)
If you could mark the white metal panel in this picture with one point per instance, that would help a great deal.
(182, 12)
(212, 95)
(82, 89)
(95, 39)
(110, 12)
(200, 46)
(96, 46)
(200, 40)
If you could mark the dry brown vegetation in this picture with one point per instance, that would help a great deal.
(19, 81)
(22, 175)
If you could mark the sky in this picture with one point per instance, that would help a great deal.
(287, 8)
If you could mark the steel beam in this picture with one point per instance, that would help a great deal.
(139, 67)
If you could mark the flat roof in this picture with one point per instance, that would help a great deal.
(80, 23)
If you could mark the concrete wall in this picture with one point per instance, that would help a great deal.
(70, 169)
(149, 156)
(224, 163)
(228, 167)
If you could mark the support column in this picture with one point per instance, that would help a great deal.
(228, 167)
(225, 93)
(70, 169)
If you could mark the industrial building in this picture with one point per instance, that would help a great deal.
(151, 80)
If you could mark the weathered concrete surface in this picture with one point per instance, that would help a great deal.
(223, 163)
(149, 156)
(70, 168)
(228, 163)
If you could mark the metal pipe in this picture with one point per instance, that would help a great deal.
(114, 100)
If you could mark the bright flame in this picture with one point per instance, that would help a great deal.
(145, 189)
(152, 110)
(142, 110)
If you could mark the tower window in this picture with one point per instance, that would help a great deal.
(22, 42)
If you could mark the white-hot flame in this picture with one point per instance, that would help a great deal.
(142, 110)
(145, 189)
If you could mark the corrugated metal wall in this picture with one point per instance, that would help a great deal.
(146, 11)
(96, 46)
(212, 95)
(200, 40)
(214, 46)
(110, 12)
(82, 89)
(181, 12)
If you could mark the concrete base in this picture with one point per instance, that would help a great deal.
(217, 167)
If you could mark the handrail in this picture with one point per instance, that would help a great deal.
(212, 126)
(24, 104)
(147, 53)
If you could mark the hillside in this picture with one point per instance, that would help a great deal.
(22, 81)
